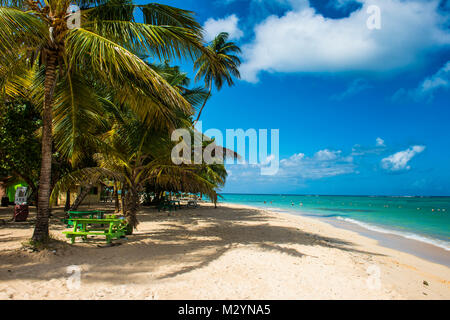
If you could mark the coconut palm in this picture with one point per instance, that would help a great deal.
(179, 80)
(104, 49)
(134, 154)
(225, 65)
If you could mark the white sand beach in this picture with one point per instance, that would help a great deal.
(232, 252)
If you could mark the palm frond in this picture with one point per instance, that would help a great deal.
(195, 96)
(163, 42)
(78, 116)
(223, 67)
(19, 30)
(16, 79)
(120, 68)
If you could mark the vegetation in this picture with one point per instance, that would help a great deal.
(221, 69)
(19, 145)
(104, 97)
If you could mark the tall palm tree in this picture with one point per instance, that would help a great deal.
(226, 65)
(106, 48)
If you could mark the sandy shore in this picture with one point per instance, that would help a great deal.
(232, 252)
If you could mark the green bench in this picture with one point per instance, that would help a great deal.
(92, 214)
(116, 228)
(176, 204)
(170, 205)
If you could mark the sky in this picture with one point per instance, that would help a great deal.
(360, 94)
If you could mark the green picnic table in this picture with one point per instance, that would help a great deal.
(176, 203)
(83, 228)
(91, 214)
(169, 204)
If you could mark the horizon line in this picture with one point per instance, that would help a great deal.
(336, 195)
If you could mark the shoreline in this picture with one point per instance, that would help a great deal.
(389, 239)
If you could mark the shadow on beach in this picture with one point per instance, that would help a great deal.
(163, 247)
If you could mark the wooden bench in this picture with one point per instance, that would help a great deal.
(116, 229)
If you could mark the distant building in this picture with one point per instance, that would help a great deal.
(99, 194)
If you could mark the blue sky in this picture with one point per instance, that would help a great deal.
(360, 111)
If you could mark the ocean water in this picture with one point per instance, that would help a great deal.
(426, 219)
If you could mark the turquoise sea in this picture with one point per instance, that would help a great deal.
(426, 219)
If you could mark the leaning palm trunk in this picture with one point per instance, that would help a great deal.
(116, 200)
(67, 205)
(80, 198)
(204, 103)
(41, 230)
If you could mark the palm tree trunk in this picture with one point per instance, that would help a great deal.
(132, 208)
(67, 205)
(83, 193)
(204, 103)
(122, 198)
(40, 233)
(116, 200)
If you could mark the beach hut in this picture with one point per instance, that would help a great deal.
(93, 198)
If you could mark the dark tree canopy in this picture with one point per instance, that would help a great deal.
(20, 149)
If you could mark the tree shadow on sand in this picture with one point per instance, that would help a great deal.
(192, 238)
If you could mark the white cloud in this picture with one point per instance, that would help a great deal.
(293, 160)
(355, 87)
(339, 4)
(441, 79)
(303, 40)
(323, 164)
(399, 161)
(380, 142)
(295, 4)
(358, 150)
(267, 161)
(213, 27)
(297, 169)
(425, 91)
(327, 155)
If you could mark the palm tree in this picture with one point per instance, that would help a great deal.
(106, 48)
(179, 80)
(134, 154)
(225, 65)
